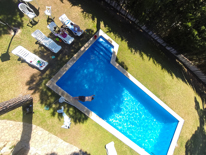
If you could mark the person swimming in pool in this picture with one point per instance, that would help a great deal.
(84, 98)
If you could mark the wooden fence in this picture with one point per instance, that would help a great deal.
(14, 103)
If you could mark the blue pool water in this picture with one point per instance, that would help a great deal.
(118, 100)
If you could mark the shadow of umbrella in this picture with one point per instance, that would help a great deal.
(6, 56)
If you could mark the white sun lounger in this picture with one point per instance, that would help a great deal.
(67, 40)
(49, 43)
(30, 57)
(63, 18)
(111, 149)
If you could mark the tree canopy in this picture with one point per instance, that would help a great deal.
(180, 23)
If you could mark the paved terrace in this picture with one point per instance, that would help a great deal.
(30, 139)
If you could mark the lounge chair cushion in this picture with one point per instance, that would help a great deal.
(67, 22)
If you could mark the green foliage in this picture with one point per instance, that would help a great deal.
(179, 23)
(10, 14)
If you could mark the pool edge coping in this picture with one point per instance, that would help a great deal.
(52, 85)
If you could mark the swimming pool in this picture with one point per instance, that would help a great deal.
(119, 101)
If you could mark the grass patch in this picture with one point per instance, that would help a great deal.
(140, 56)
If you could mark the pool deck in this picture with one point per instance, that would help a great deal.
(52, 85)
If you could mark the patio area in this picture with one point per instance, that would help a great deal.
(19, 134)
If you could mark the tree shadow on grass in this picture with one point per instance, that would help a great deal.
(37, 82)
(197, 143)
(76, 115)
(11, 14)
(5, 56)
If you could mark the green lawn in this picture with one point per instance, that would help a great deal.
(141, 57)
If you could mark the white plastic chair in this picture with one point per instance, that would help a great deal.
(111, 149)
(65, 20)
(48, 11)
(44, 40)
(67, 40)
(30, 58)
(27, 10)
